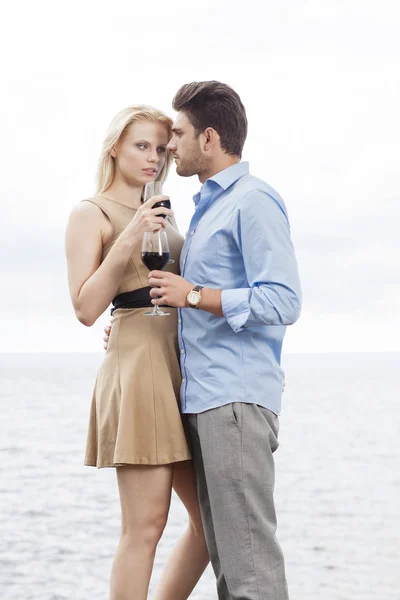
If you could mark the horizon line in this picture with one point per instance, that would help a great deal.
(283, 353)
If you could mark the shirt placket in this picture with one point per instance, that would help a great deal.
(182, 348)
(201, 209)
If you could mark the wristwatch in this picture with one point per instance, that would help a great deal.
(194, 296)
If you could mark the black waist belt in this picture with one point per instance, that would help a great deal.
(136, 299)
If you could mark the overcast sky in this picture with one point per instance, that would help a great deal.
(320, 80)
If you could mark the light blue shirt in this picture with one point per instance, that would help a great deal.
(239, 242)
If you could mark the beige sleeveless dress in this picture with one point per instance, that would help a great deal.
(134, 417)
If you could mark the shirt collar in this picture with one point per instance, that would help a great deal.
(223, 179)
(231, 174)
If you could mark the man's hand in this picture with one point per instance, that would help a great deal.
(169, 289)
(107, 331)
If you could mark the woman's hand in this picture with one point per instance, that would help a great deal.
(148, 218)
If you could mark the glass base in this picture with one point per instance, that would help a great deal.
(159, 313)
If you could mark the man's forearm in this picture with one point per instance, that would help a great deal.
(211, 301)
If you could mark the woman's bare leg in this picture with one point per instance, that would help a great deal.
(145, 495)
(189, 557)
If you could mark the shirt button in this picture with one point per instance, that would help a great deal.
(183, 380)
(182, 351)
(179, 321)
(192, 232)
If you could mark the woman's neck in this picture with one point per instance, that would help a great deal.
(126, 194)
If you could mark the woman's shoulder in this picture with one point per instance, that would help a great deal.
(87, 206)
(94, 206)
(89, 213)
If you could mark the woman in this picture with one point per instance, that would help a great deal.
(135, 424)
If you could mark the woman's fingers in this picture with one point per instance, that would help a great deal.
(161, 210)
(156, 224)
(152, 201)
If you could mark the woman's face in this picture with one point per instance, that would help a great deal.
(141, 153)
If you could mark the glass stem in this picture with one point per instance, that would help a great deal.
(156, 310)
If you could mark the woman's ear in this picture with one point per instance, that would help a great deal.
(113, 152)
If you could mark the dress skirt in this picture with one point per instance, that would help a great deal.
(134, 416)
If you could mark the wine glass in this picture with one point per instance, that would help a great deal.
(155, 255)
(155, 188)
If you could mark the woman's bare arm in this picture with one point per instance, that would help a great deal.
(92, 283)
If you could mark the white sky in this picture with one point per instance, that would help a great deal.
(321, 84)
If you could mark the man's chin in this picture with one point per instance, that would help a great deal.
(183, 172)
(180, 171)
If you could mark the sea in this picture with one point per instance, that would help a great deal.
(337, 481)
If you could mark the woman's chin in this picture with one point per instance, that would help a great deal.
(141, 180)
(147, 178)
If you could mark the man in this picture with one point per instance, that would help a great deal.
(238, 290)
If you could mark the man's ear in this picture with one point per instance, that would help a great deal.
(211, 138)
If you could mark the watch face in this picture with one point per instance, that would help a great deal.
(194, 297)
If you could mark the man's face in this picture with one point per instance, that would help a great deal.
(186, 148)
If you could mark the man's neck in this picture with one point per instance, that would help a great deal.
(218, 166)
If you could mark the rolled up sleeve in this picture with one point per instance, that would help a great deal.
(236, 307)
(273, 296)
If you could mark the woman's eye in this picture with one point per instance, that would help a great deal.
(162, 150)
(141, 146)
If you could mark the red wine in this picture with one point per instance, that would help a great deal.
(155, 261)
(163, 204)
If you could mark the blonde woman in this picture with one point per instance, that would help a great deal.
(135, 423)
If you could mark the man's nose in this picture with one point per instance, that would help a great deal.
(171, 145)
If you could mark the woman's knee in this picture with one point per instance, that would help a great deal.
(145, 531)
(145, 494)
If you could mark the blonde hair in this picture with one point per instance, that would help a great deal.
(116, 130)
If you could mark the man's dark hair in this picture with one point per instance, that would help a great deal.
(217, 105)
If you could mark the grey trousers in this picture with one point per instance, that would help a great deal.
(232, 450)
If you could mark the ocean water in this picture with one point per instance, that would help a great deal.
(337, 489)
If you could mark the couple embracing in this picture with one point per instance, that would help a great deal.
(188, 402)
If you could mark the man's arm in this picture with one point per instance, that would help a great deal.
(262, 233)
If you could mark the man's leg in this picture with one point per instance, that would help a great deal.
(237, 442)
(204, 502)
